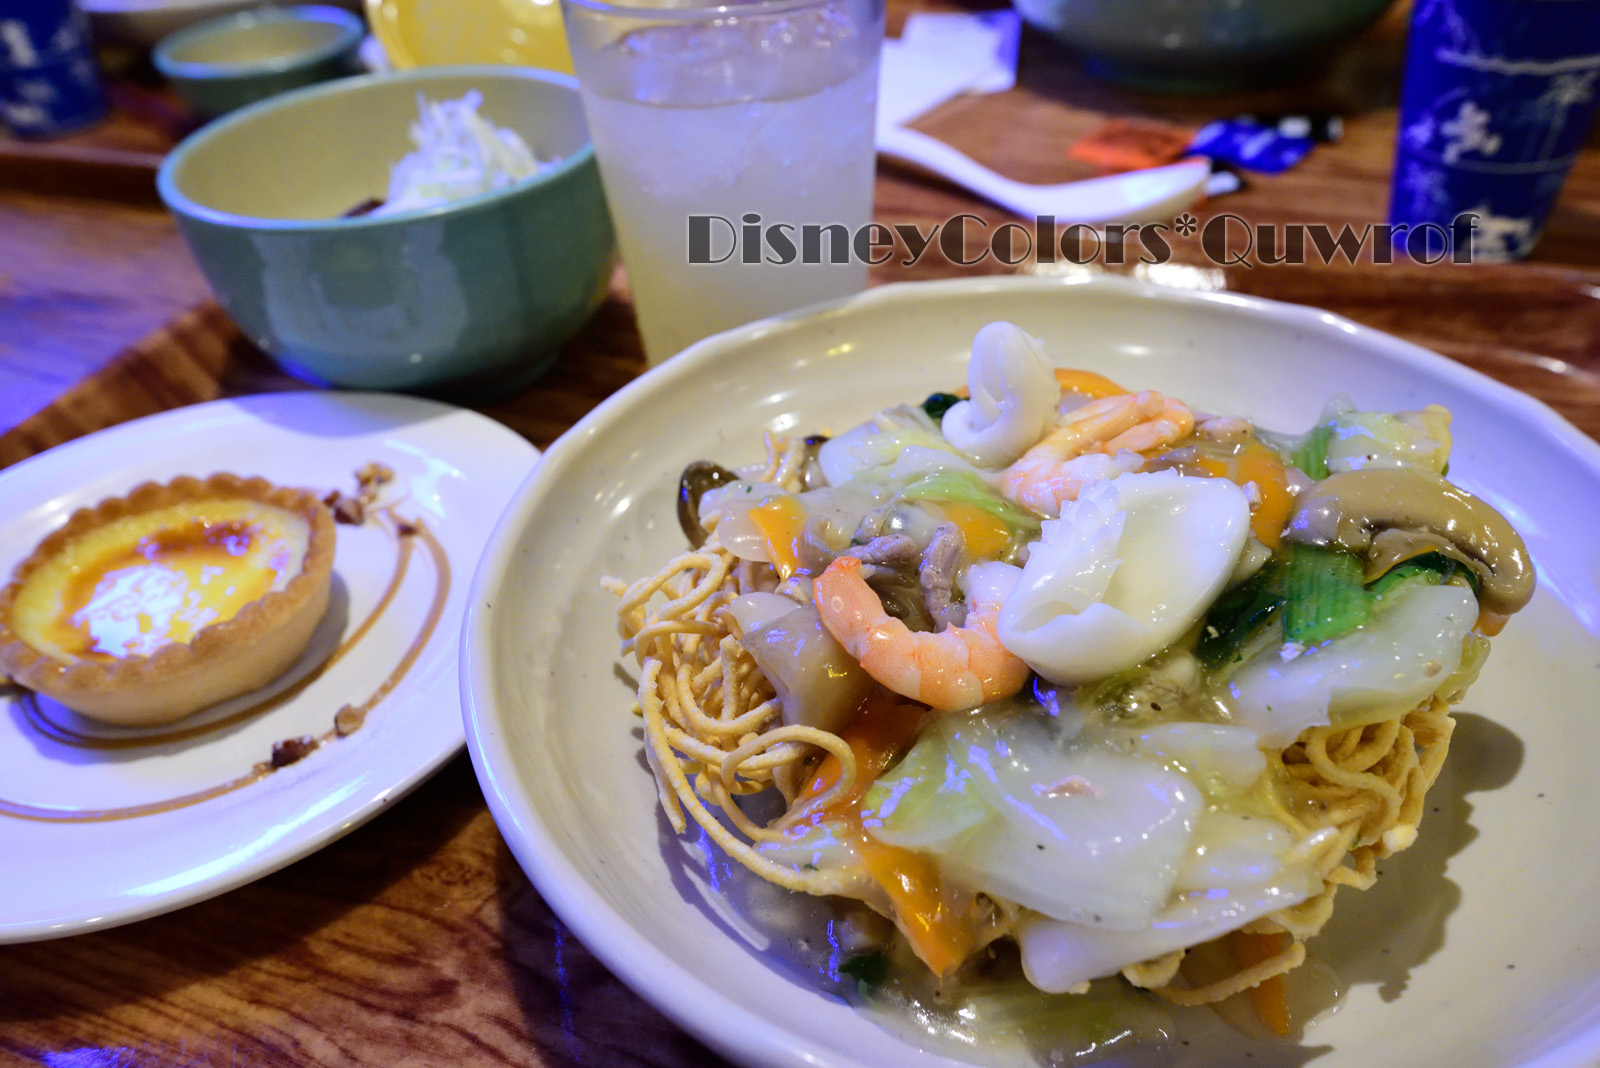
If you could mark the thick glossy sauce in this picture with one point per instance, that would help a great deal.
(998, 1018)
(992, 1016)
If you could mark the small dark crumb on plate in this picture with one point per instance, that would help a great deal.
(348, 720)
(370, 476)
(351, 511)
(292, 750)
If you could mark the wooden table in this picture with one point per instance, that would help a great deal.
(416, 940)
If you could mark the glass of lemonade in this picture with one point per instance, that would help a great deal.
(751, 110)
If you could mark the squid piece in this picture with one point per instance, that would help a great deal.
(1128, 567)
(1014, 394)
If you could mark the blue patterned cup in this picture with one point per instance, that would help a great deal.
(1498, 100)
(33, 32)
(48, 80)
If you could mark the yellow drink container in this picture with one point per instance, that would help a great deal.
(426, 33)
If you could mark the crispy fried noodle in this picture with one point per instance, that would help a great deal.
(710, 717)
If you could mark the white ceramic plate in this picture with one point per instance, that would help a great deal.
(1479, 948)
(454, 472)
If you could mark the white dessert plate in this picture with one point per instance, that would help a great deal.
(1478, 948)
(101, 825)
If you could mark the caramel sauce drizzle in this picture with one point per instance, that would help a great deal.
(349, 718)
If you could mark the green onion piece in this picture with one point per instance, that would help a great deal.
(1237, 613)
(870, 968)
(1325, 597)
(939, 403)
(1312, 454)
(1320, 592)
(1432, 568)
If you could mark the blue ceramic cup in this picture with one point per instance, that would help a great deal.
(1498, 100)
(32, 32)
(48, 80)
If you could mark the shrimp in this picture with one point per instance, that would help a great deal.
(1172, 423)
(1059, 465)
(1098, 441)
(953, 669)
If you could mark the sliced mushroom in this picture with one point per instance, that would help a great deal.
(1391, 515)
(1393, 547)
(697, 478)
(811, 476)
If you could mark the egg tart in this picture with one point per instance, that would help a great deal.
(149, 607)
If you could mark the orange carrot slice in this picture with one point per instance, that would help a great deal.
(1261, 465)
(941, 926)
(941, 929)
(1087, 383)
(781, 521)
(1490, 623)
(985, 535)
(1270, 1000)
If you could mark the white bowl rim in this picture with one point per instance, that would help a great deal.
(694, 1005)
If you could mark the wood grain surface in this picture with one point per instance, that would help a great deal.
(80, 279)
(416, 940)
(86, 247)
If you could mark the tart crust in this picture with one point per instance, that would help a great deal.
(223, 659)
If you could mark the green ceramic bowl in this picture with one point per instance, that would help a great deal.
(477, 294)
(226, 63)
(1201, 46)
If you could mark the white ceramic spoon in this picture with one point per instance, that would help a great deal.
(1154, 195)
